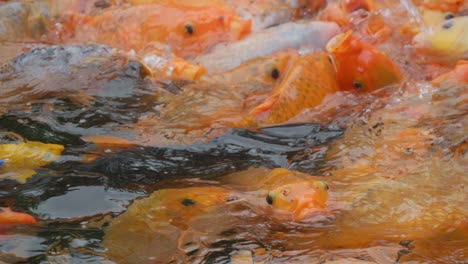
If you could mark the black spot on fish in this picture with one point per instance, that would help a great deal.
(187, 202)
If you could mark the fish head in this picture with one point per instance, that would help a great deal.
(268, 69)
(447, 42)
(181, 205)
(295, 193)
(193, 30)
(306, 82)
(360, 66)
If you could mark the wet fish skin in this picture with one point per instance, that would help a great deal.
(372, 68)
(312, 35)
(307, 80)
(447, 43)
(9, 218)
(188, 31)
(174, 215)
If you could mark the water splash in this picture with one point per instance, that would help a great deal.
(415, 15)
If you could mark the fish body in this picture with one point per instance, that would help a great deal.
(312, 35)
(21, 160)
(262, 13)
(8, 218)
(360, 66)
(188, 31)
(156, 229)
(396, 151)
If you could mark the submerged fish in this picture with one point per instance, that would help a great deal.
(156, 228)
(20, 160)
(23, 21)
(47, 72)
(312, 35)
(360, 66)
(8, 218)
(216, 102)
(414, 143)
(188, 31)
(446, 43)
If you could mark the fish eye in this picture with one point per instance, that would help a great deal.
(187, 202)
(323, 185)
(188, 28)
(357, 84)
(449, 15)
(447, 24)
(269, 199)
(275, 73)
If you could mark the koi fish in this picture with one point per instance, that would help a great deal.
(312, 35)
(268, 13)
(217, 100)
(8, 218)
(371, 69)
(307, 81)
(262, 13)
(21, 159)
(156, 228)
(188, 31)
(447, 43)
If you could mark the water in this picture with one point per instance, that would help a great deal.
(394, 163)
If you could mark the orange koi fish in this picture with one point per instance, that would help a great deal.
(263, 13)
(8, 218)
(153, 229)
(188, 31)
(361, 66)
(308, 79)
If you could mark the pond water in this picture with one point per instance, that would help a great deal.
(274, 161)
